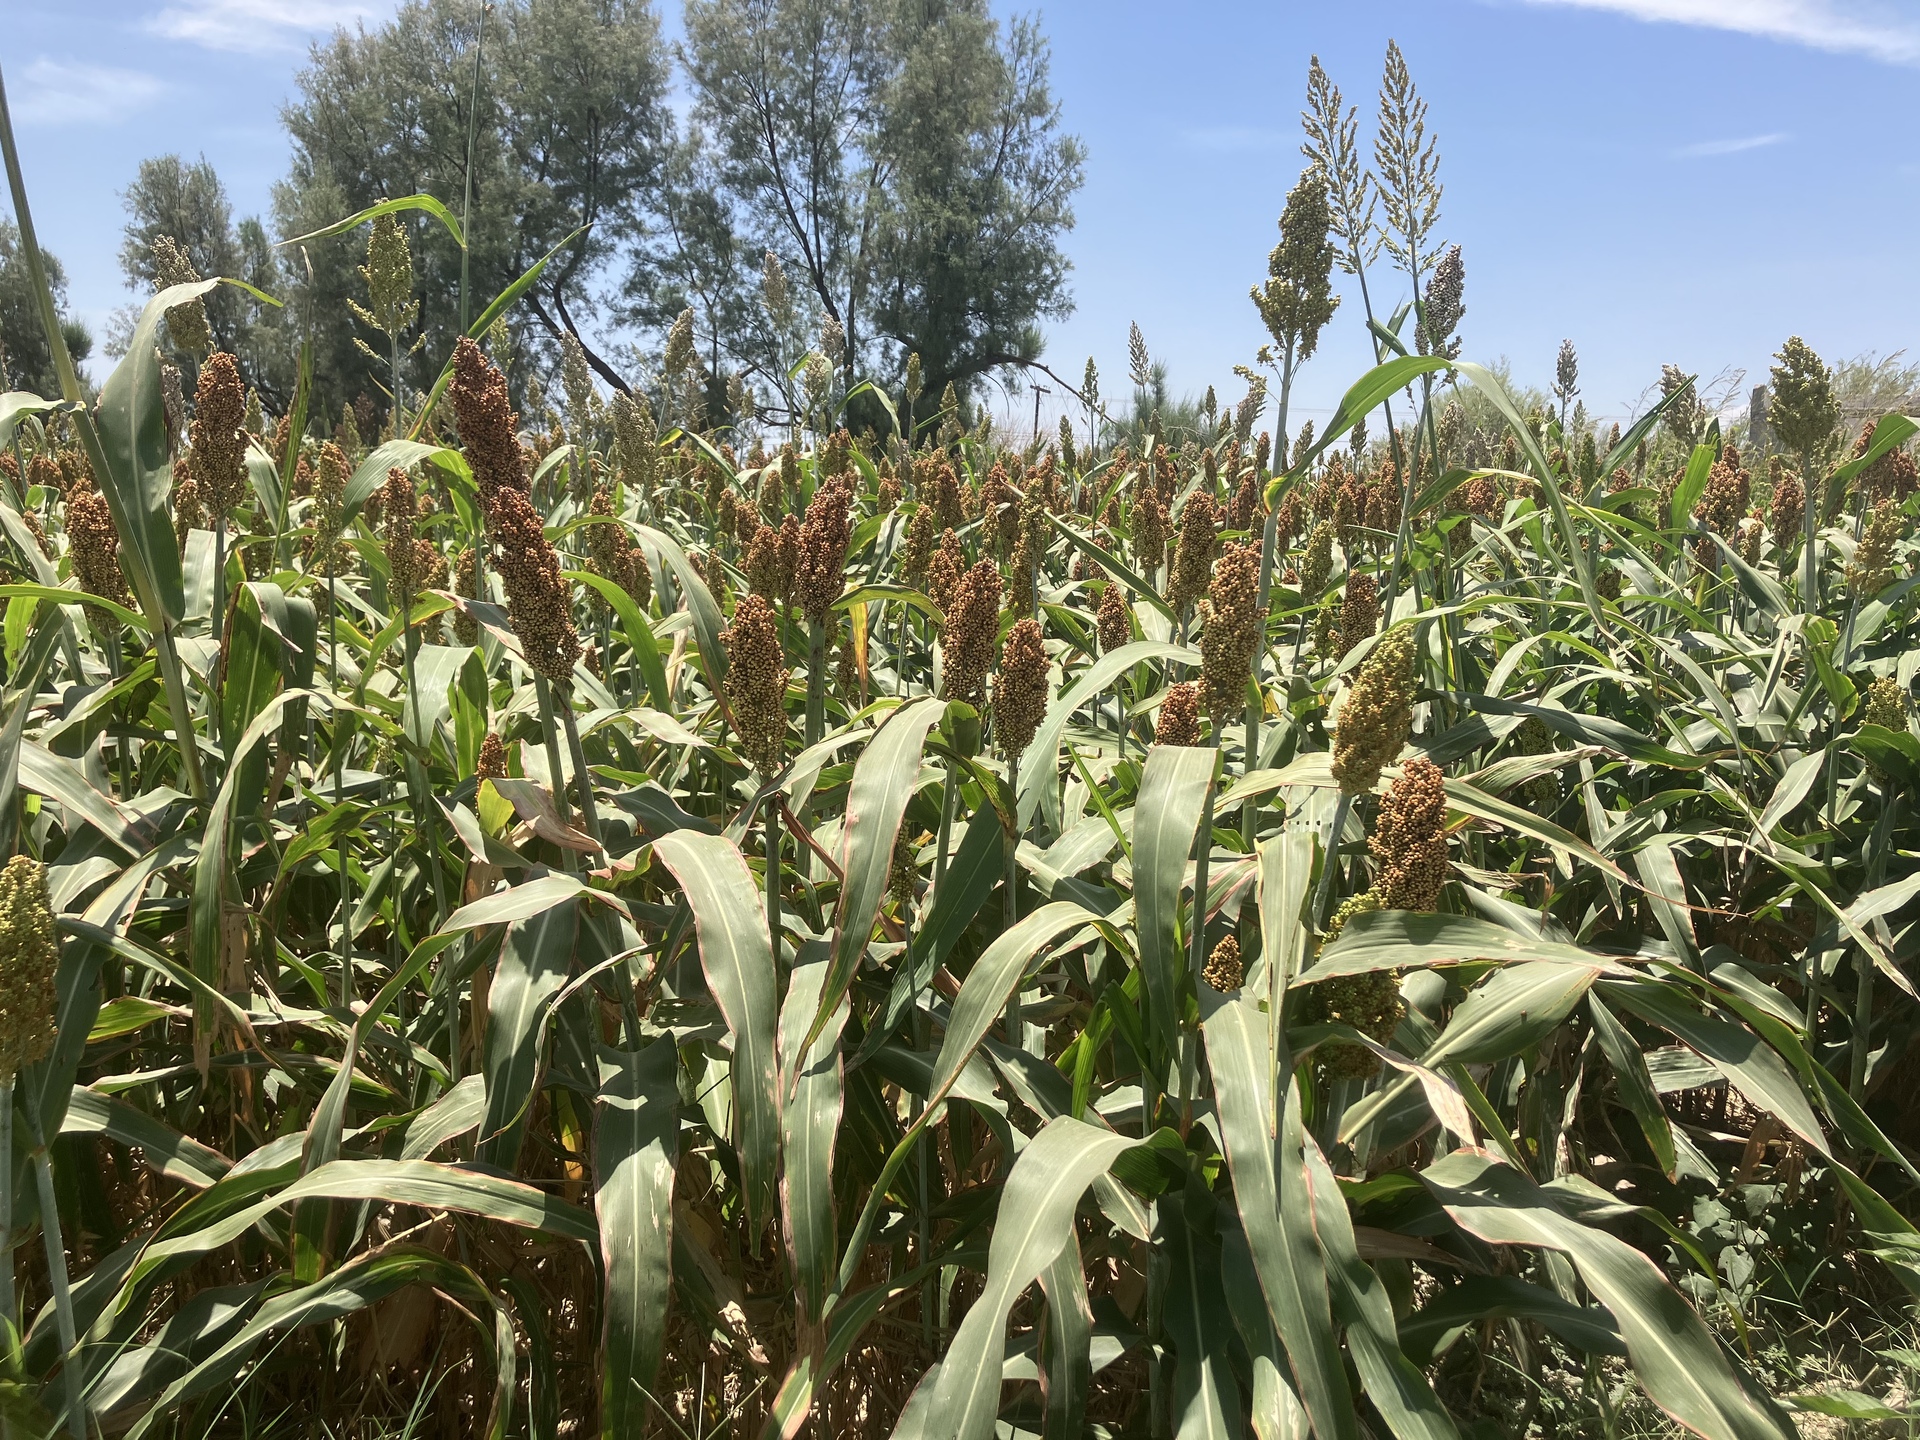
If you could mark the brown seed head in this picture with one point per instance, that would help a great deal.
(821, 575)
(94, 546)
(972, 624)
(465, 628)
(1179, 722)
(916, 551)
(1232, 632)
(492, 763)
(398, 505)
(1149, 533)
(949, 563)
(1410, 838)
(1020, 691)
(537, 602)
(1359, 610)
(756, 683)
(1193, 554)
(219, 455)
(1378, 714)
(1789, 507)
(1115, 619)
(487, 423)
(1224, 969)
(188, 513)
(29, 962)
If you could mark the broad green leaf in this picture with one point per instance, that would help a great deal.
(737, 955)
(533, 966)
(636, 1142)
(1039, 762)
(884, 779)
(1751, 1066)
(1394, 1383)
(811, 1101)
(179, 1157)
(1173, 790)
(1675, 1357)
(1036, 1218)
(1634, 1083)
(132, 422)
(1269, 1187)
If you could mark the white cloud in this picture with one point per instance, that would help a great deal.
(1709, 149)
(1884, 31)
(255, 26)
(72, 93)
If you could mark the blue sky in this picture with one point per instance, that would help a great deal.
(1660, 180)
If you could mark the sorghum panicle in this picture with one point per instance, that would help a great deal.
(1020, 690)
(972, 625)
(1410, 838)
(1232, 632)
(1378, 714)
(537, 600)
(1179, 722)
(756, 683)
(219, 455)
(29, 963)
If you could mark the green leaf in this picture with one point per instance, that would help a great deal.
(1270, 1190)
(1039, 763)
(736, 953)
(1674, 1355)
(1393, 1382)
(983, 994)
(636, 1142)
(133, 433)
(422, 202)
(884, 780)
(707, 619)
(178, 1157)
(1173, 790)
(1206, 1398)
(1037, 1205)
(1751, 1066)
(1478, 1298)
(533, 966)
(1635, 1085)
(1489, 384)
(812, 1095)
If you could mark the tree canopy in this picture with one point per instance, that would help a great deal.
(903, 162)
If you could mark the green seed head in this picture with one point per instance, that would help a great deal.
(29, 958)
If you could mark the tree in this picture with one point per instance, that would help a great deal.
(572, 130)
(26, 362)
(188, 205)
(903, 158)
(968, 255)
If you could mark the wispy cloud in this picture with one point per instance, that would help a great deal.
(1857, 27)
(257, 26)
(1709, 149)
(1236, 139)
(68, 92)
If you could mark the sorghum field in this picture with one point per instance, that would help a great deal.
(581, 922)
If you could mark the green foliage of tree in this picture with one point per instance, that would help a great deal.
(188, 204)
(904, 160)
(25, 361)
(572, 131)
